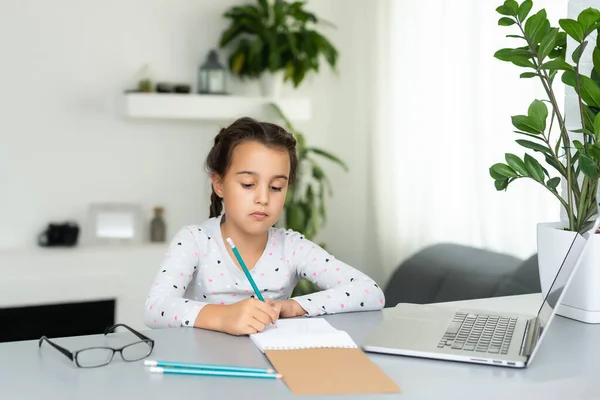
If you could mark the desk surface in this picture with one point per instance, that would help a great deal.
(565, 367)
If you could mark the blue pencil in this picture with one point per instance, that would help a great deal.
(212, 367)
(245, 269)
(204, 372)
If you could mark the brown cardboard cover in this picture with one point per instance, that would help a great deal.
(330, 371)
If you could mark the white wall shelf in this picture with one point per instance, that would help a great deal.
(210, 107)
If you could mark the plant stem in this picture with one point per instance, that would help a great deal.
(582, 201)
(554, 192)
(548, 88)
(578, 90)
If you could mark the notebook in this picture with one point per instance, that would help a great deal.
(305, 333)
(317, 359)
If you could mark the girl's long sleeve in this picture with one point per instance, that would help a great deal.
(344, 288)
(165, 306)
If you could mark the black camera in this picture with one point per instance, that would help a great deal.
(59, 235)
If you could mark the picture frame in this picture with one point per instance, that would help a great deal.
(115, 223)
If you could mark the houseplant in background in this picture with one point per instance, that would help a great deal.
(304, 209)
(572, 154)
(275, 41)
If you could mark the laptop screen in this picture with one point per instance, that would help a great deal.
(565, 270)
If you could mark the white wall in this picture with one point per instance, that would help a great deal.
(341, 106)
(63, 145)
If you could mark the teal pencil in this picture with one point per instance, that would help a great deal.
(245, 269)
(212, 367)
(204, 372)
(247, 273)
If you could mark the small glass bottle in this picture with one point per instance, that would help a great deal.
(157, 226)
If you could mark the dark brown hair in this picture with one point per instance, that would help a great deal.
(242, 130)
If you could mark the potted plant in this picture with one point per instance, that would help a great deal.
(275, 41)
(304, 208)
(569, 148)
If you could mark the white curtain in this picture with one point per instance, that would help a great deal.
(441, 119)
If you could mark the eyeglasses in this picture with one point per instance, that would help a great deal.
(93, 357)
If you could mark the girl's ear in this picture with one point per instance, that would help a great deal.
(217, 184)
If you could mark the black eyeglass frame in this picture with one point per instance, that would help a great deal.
(73, 356)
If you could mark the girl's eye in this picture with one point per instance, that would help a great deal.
(247, 185)
(275, 189)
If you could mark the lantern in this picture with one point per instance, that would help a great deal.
(211, 75)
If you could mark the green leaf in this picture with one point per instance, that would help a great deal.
(495, 174)
(578, 145)
(547, 43)
(529, 75)
(516, 163)
(596, 59)
(512, 6)
(529, 135)
(327, 49)
(520, 57)
(535, 24)
(300, 141)
(573, 28)
(505, 10)
(588, 117)
(590, 92)
(557, 63)
(508, 54)
(594, 151)
(597, 126)
(595, 77)
(504, 170)
(505, 21)
(538, 112)
(584, 131)
(501, 184)
(282, 116)
(522, 62)
(578, 52)
(588, 166)
(540, 33)
(515, 36)
(527, 124)
(534, 168)
(524, 9)
(587, 18)
(560, 47)
(553, 183)
(575, 158)
(279, 12)
(329, 156)
(296, 217)
(264, 6)
(552, 162)
(533, 146)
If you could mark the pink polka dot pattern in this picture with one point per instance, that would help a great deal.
(184, 284)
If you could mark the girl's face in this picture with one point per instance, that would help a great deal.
(254, 187)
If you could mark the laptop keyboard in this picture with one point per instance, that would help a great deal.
(482, 333)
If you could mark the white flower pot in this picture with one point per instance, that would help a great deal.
(582, 298)
(271, 84)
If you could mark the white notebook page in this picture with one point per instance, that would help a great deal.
(302, 333)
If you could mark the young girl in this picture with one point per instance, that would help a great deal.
(200, 283)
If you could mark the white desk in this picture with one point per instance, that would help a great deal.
(565, 368)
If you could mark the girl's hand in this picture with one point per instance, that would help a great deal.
(242, 318)
(287, 308)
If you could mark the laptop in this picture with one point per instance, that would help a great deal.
(475, 336)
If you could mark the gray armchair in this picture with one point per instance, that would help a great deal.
(451, 272)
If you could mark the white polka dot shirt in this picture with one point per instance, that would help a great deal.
(198, 270)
